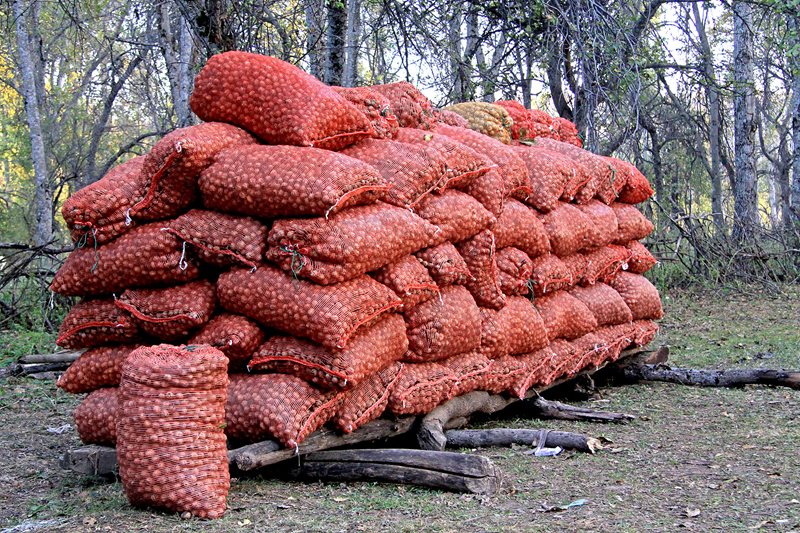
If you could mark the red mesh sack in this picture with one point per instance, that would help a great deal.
(370, 349)
(504, 374)
(511, 168)
(637, 189)
(459, 216)
(640, 260)
(577, 264)
(514, 271)
(95, 323)
(142, 257)
(280, 406)
(462, 164)
(567, 132)
(449, 118)
(409, 280)
(95, 368)
(236, 336)
(276, 101)
(171, 447)
(487, 118)
(470, 369)
(523, 125)
(605, 303)
(443, 327)
(368, 400)
(478, 254)
(221, 240)
(375, 106)
(548, 177)
(348, 244)
(170, 314)
(412, 108)
(605, 185)
(537, 366)
(549, 274)
(564, 316)
(565, 355)
(604, 263)
(602, 223)
(520, 227)
(617, 338)
(328, 315)
(96, 417)
(514, 329)
(568, 230)
(412, 170)
(421, 387)
(489, 190)
(546, 125)
(590, 351)
(98, 211)
(640, 295)
(280, 181)
(646, 331)
(445, 264)
(632, 225)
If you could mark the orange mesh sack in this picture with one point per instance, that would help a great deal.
(95, 323)
(470, 369)
(280, 406)
(421, 387)
(348, 244)
(641, 260)
(549, 274)
(375, 106)
(170, 444)
(548, 177)
(478, 254)
(520, 227)
(504, 374)
(280, 181)
(221, 240)
(516, 328)
(565, 358)
(368, 400)
(489, 190)
(412, 170)
(640, 295)
(409, 280)
(95, 368)
(328, 315)
(646, 331)
(632, 225)
(412, 108)
(537, 366)
(443, 326)
(545, 124)
(170, 314)
(98, 211)
(514, 271)
(568, 230)
(567, 132)
(96, 417)
(488, 119)
(523, 126)
(604, 183)
(564, 316)
(142, 257)
(445, 264)
(458, 215)
(637, 189)
(602, 223)
(590, 351)
(370, 349)
(605, 303)
(276, 101)
(449, 118)
(604, 263)
(236, 336)
(617, 338)
(577, 264)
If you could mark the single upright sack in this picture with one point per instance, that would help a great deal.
(640, 295)
(458, 215)
(486, 118)
(94, 323)
(412, 108)
(445, 264)
(409, 280)
(96, 417)
(479, 255)
(489, 190)
(520, 227)
(276, 101)
(375, 106)
(287, 181)
(567, 132)
(95, 368)
(637, 189)
(171, 447)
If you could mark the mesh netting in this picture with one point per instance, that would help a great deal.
(444, 326)
(504, 374)
(637, 189)
(367, 400)
(170, 444)
(646, 330)
(516, 328)
(604, 183)
(409, 279)
(375, 106)
(412, 108)
(549, 175)
(538, 365)
(276, 101)
(221, 240)
(640, 295)
(370, 349)
(523, 125)
(632, 225)
(514, 271)
(459, 216)
(520, 227)
(281, 181)
(603, 264)
(549, 274)
(95, 323)
(590, 351)
(564, 316)
(96, 417)
(470, 370)
(349, 243)
(142, 257)
(641, 260)
(449, 118)
(478, 254)
(488, 119)
(327, 315)
(280, 406)
(577, 264)
(421, 387)
(95, 368)
(568, 230)
(567, 132)
(605, 303)
(602, 223)
(565, 354)
(445, 264)
(236, 336)
(489, 190)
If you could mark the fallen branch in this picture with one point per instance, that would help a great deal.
(561, 411)
(63, 356)
(483, 438)
(16, 369)
(713, 378)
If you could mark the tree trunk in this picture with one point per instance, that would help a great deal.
(177, 49)
(335, 38)
(795, 64)
(458, 92)
(314, 40)
(745, 212)
(350, 75)
(43, 196)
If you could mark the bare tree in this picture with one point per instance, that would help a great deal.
(177, 47)
(335, 38)
(353, 43)
(795, 111)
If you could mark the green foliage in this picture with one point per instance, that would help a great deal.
(17, 342)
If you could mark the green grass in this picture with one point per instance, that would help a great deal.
(17, 342)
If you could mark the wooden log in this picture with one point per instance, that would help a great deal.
(91, 460)
(437, 470)
(17, 369)
(713, 378)
(62, 356)
(561, 411)
(483, 438)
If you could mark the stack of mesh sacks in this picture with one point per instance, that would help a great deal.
(354, 251)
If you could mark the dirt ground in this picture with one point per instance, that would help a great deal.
(695, 459)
